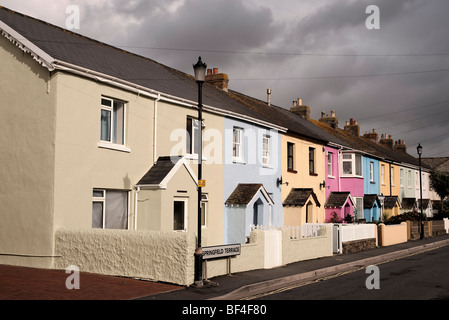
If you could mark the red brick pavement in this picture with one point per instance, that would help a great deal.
(20, 283)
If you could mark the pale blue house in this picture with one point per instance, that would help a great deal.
(252, 172)
(371, 188)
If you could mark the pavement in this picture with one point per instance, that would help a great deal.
(21, 283)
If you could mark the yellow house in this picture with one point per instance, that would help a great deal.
(303, 189)
(389, 179)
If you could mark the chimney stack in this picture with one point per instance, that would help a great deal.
(220, 80)
(300, 109)
(372, 135)
(400, 145)
(387, 140)
(352, 127)
(331, 121)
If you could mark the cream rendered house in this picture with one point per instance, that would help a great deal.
(83, 123)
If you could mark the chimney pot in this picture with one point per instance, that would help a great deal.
(209, 72)
(299, 102)
(295, 103)
(215, 70)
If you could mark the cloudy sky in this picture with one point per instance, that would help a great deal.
(394, 79)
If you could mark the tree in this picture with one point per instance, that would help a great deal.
(439, 182)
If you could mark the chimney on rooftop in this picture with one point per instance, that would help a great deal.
(352, 127)
(372, 135)
(387, 140)
(300, 109)
(220, 80)
(269, 97)
(400, 145)
(332, 121)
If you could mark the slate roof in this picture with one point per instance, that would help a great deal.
(390, 202)
(336, 199)
(76, 49)
(244, 193)
(439, 163)
(376, 150)
(408, 203)
(369, 200)
(299, 197)
(159, 171)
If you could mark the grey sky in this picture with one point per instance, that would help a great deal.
(394, 79)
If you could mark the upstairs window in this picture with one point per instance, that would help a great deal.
(112, 121)
(237, 146)
(330, 172)
(352, 164)
(312, 161)
(266, 150)
(290, 156)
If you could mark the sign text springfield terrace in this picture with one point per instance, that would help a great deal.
(221, 251)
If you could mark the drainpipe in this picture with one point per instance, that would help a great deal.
(155, 128)
(135, 207)
(389, 167)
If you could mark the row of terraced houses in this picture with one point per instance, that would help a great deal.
(96, 138)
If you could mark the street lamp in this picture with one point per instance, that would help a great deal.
(200, 77)
(419, 149)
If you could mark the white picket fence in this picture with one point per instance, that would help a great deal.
(306, 230)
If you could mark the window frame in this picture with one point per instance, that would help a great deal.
(291, 157)
(312, 165)
(371, 172)
(330, 163)
(356, 161)
(113, 124)
(103, 200)
(237, 147)
(185, 222)
(266, 150)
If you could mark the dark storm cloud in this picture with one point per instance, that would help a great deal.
(234, 35)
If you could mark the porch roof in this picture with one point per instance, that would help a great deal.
(300, 196)
(338, 199)
(244, 193)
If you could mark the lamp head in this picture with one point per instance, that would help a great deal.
(200, 71)
(419, 149)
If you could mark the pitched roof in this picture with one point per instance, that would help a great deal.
(299, 197)
(244, 193)
(162, 171)
(337, 199)
(440, 163)
(391, 201)
(368, 146)
(369, 200)
(67, 47)
(408, 203)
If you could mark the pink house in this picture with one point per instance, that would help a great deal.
(344, 183)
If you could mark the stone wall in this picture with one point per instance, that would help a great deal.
(358, 245)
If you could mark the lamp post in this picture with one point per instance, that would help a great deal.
(419, 149)
(200, 77)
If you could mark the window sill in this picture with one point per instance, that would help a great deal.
(331, 177)
(292, 171)
(238, 161)
(313, 174)
(194, 156)
(112, 146)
